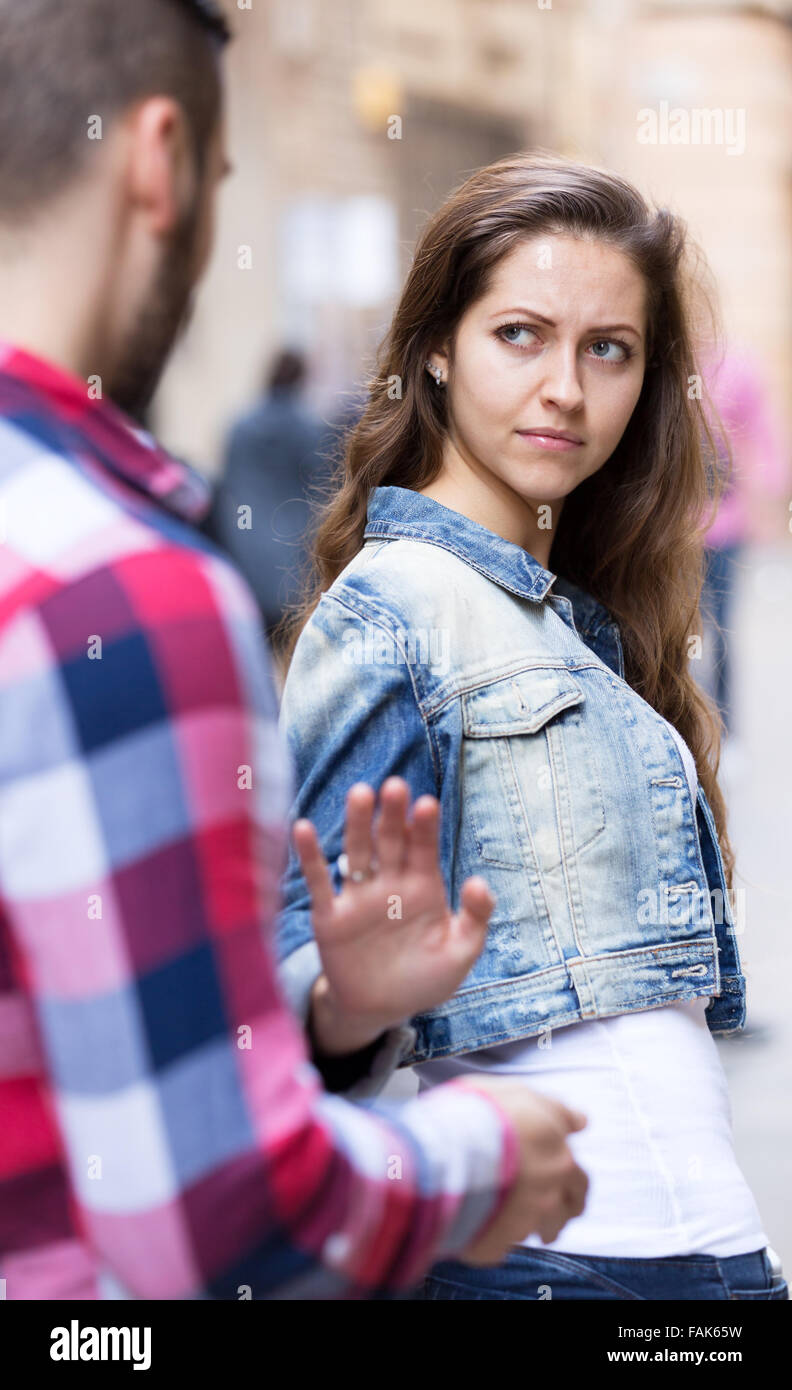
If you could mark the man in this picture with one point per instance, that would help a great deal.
(163, 1132)
(275, 465)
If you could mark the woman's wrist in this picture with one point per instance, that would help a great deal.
(336, 1033)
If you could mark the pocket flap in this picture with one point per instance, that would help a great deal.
(518, 704)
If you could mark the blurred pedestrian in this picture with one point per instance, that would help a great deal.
(752, 459)
(277, 465)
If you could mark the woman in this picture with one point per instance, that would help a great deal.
(508, 583)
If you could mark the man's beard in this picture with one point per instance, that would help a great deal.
(166, 312)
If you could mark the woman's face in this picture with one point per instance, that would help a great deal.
(557, 343)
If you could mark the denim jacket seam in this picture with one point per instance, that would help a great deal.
(561, 967)
(381, 619)
(499, 673)
(414, 533)
(508, 1034)
(701, 868)
(709, 821)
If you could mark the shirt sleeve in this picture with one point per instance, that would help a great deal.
(348, 714)
(143, 841)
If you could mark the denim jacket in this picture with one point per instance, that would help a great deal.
(450, 657)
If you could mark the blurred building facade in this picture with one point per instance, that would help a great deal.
(350, 120)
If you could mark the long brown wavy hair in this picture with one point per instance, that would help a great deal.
(631, 534)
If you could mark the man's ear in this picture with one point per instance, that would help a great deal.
(162, 174)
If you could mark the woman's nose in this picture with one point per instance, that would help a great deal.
(561, 385)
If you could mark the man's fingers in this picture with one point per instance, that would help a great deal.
(550, 1230)
(573, 1119)
(315, 869)
(576, 1190)
(390, 833)
(360, 803)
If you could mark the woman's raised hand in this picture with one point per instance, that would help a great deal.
(390, 945)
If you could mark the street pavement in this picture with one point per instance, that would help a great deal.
(757, 783)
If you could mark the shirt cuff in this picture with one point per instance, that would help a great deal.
(372, 1067)
(473, 1153)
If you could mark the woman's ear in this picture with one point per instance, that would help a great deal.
(437, 363)
(436, 368)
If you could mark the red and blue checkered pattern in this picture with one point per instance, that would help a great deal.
(163, 1133)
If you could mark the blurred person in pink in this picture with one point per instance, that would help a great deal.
(758, 477)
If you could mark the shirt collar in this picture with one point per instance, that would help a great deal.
(29, 386)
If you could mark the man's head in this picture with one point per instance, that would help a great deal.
(111, 126)
(287, 372)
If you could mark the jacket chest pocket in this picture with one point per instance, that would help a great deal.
(531, 793)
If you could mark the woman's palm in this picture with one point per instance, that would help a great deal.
(390, 945)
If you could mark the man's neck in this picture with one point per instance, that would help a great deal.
(31, 319)
(55, 299)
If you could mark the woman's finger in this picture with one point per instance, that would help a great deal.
(390, 832)
(422, 836)
(476, 904)
(360, 804)
(315, 869)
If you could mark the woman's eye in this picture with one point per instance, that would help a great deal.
(511, 334)
(605, 350)
(521, 335)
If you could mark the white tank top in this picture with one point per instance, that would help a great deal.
(658, 1148)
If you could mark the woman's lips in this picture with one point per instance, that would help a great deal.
(558, 442)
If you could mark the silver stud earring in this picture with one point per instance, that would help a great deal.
(437, 373)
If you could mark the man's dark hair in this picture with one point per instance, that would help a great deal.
(65, 61)
(209, 14)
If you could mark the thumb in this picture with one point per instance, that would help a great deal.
(477, 898)
(476, 906)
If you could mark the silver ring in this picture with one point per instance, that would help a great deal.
(355, 875)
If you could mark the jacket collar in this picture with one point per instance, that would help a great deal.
(33, 391)
(401, 512)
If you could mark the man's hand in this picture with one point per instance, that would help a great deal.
(550, 1189)
(390, 945)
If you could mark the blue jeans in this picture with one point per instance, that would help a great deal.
(530, 1273)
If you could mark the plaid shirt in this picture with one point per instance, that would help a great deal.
(163, 1132)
